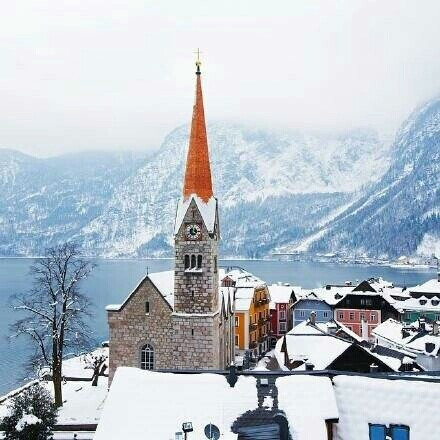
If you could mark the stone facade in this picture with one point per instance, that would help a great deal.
(130, 328)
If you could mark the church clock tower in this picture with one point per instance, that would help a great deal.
(196, 236)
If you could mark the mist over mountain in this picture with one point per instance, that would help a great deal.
(400, 214)
(347, 192)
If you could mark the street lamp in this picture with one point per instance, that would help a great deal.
(187, 427)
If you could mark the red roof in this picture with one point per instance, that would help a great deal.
(198, 170)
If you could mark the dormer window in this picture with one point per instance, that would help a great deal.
(422, 302)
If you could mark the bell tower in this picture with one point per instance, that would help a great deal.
(196, 237)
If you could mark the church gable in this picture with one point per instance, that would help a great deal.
(194, 209)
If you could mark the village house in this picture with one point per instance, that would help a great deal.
(307, 303)
(363, 307)
(251, 313)
(181, 319)
(331, 346)
(419, 339)
(422, 301)
(282, 296)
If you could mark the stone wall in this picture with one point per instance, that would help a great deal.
(196, 340)
(130, 329)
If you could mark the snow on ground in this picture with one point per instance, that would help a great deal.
(79, 366)
(83, 402)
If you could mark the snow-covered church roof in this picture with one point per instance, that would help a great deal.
(164, 283)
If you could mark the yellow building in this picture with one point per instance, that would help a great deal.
(251, 312)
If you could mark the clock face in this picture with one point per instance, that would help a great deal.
(193, 231)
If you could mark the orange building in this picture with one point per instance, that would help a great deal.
(251, 312)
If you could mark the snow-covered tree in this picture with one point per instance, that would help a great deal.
(31, 415)
(54, 311)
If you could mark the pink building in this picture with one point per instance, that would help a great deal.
(281, 297)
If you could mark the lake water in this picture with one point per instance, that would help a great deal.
(113, 280)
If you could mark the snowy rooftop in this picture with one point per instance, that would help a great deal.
(207, 210)
(164, 282)
(413, 341)
(363, 400)
(431, 287)
(281, 293)
(131, 412)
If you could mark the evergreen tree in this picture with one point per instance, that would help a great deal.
(32, 415)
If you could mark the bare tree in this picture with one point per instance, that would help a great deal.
(97, 361)
(54, 310)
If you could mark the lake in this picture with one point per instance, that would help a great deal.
(113, 280)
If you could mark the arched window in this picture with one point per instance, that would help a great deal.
(147, 357)
(186, 261)
(199, 261)
(193, 261)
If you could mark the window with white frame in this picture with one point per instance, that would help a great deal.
(325, 314)
(341, 315)
(373, 317)
(236, 321)
(283, 327)
(302, 313)
(282, 315)
(236, 340)
(147, 357)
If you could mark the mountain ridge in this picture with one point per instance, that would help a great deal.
(277, 191)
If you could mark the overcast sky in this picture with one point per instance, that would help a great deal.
(81, 75)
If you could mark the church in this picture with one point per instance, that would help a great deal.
(181, 319)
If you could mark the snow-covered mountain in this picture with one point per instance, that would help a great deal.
(47, 201)
(272, 188)
(400, 214)
(276, 191)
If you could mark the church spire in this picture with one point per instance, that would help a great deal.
(198, 170)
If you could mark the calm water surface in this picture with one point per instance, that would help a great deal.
(113, 280)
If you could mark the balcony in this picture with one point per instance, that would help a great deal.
(253, 345)
(262, 339)
(262, 321)
(253, 327)
(262, 302)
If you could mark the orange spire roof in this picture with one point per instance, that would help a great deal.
(198, 170)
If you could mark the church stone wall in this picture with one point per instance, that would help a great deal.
(130, 329)
(196, 341)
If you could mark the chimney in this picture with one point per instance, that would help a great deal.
(309, 366)
(232, 376)
(312, 318)
(374, 368)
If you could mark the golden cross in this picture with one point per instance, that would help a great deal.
(198, 56)
(198, 62)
